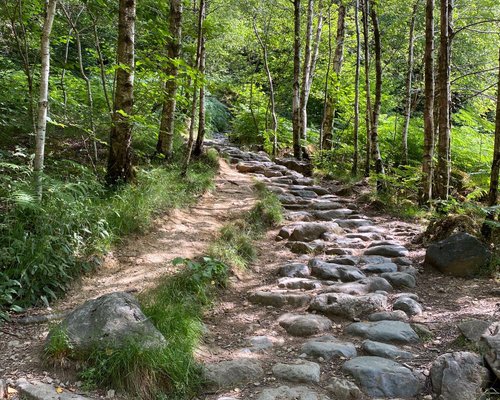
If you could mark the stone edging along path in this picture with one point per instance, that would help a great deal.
(338, 317)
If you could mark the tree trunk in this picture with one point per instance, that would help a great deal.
(120, 153)
(495, 167)
(306, 68)
(409, 76)
(166, 134)
(368, 116)
(102, 69)
(41, 129)
(428, 157)
(443, 169)
(198, 148)
(329, 112)
(189, 148)
(356, 91)
(296, 83)
(379, 166)
(274, 125)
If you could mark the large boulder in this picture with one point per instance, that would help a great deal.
(380, 377)
(490, 347)
(458, 376)
(113, 320)
(459, 255)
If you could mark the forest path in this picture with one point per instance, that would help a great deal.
(294, 327)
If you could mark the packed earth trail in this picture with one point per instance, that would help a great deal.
(337, 305)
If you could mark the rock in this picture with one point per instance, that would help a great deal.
(490, 347)
(409, 306)
(375, 260)
(262, 343)
(301, 167)
(299, 216)
(473, 329)
(249, 167)
(459, 255)
(287, 393)
(345, 273)
(304, 324)
(112, 320)
(422, 331)
(396, 315)
(458, 376)
(306, 194)
(335, 251)
(328, 347)
(329, 215)
(380, 268)
(386, 350)
(345, 260)
(387, 251)
(279, 299)
(353, 223)
(384, 331)
(409, 269)
(36, 390)
(301, 372)
(343, 389)
(402, 261)
(380, 377)
(294, 270)
(400, 279)
(303, 248)
(347, 305)
(285, 232)
(299, 283)
(3, 389)
(228, 374)
(376, 283)
(412, 296)
(325, 205)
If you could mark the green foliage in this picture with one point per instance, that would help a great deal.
(58, 349)
(77, 220)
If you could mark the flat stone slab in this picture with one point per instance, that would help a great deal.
(345, 273)
(279, 299)
(380, 377)
(294, 270)
(329, 215)
(397, 315)
(387, 251)
(36, 390)
(226, 374)
(299, 283)
(384, 331)
(380, 268)
(473, 329)
(291, 393)
(348, 306)
(328, 347)
(386, 350)
(263, 343)
(304, 325)
(300, 372)
(353, 223)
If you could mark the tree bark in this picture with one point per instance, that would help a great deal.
(166, 134)
(495, 166)
(41, 129)
(409, 76)
(306, 68)
(329, 112)
(428, 157)
(368, 116)
(200, 137)
(356, 91)
(189, 148)
(296, 83)
(443, 169)
(274, 125)
(379, 166)
(120, 152)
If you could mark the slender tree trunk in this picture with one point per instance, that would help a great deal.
(296, 83)
(428, 157)
(443, 169)
(409, 76)
(189, 148)
(329, 112)
(327, 77)
(495, 167)
(379, 166)
(200, 137)
(356, 91)
(101, 64)
(41, 129)
(120, 152)
(306, 68)
(368, 116)
(63, 75)
(274, 125)
(166, 134)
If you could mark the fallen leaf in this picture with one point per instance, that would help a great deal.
(59, 390)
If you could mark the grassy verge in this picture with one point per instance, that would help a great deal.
(235, 244)
(176, 308)
(44, 246)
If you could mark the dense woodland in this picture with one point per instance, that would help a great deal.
(106, 105)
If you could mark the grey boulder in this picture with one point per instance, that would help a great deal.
(386, 350)
(387, 250)
(328, 347)
(384, 331)
(300, 372)
(226, 374)
(348, 306)
(290, 393)
(304, 325)
(459, 255)
(409, 306)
